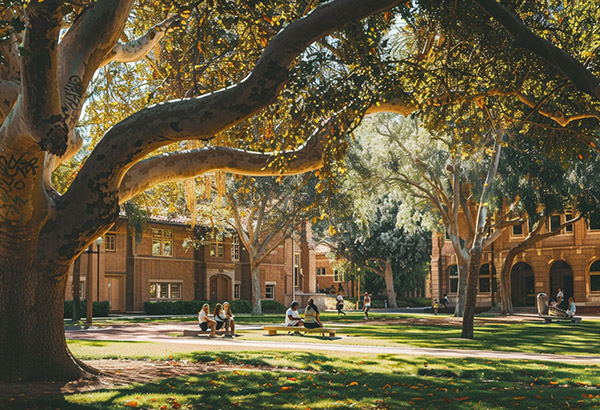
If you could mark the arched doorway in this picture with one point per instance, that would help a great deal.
(220, 288)
(561, 276)
(522, 285)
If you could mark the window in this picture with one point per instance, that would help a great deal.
(594, 221)
(321, 271)
(110, 242)
(336, 276)
(517, 230)
(296, 269)
(453, 278)
(270, 291)
(568, 217)
(595, 276)
(235, 248)
(554, 222)
(162, 242)
(216, 249)
(236, 291)
(484, 278)
(165, 290)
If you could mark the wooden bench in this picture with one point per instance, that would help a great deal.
(190, 332)
(550, 319)
(274, 329)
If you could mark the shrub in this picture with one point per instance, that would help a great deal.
(272, 306)
(99, 309)
(190, 307)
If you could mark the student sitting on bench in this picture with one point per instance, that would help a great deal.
(206, 322)
(311, 316)
(572, 309)
(292, 317)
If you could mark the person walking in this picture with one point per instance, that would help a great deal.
(366, 305)
(339, 305)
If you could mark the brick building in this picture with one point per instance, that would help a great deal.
(570, 260)
(160, 266)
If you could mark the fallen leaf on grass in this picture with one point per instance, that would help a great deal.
(292, 379)
(353, 384)
(462, 398)
(519, 398)
(131, 404)
(283, 388)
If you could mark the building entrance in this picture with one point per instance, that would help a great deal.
(522, 289)
(561, 276)
(220, 288)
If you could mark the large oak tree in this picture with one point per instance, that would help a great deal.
(45, 79)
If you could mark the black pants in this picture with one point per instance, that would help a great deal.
(312, 325)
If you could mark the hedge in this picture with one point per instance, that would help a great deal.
(99, 309)
(190, 307)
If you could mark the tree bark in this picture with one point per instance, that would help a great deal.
(463, 273)
(472, 279)
(75, 289)
(389, 285)
(256, 295)
(32, 337)
(505, 296)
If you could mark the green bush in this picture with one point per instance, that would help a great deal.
(99, 309)
(272, 306)
(190, 307)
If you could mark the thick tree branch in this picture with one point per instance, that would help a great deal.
(39, 105)
(138, 48)
(9, 92)
(524, 38)
(175, 166)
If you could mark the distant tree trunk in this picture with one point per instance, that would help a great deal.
(389, 285)
(471, 296)
(256, 299)
(463, 273)
(505, 295)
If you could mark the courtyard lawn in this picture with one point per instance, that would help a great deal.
(531, 337)
(302, 380)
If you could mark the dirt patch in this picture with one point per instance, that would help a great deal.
(114, 373)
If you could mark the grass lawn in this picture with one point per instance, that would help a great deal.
(305, 380)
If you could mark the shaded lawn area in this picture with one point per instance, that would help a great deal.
(532, 337)
(301, 380)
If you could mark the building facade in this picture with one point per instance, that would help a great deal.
(163, 266)
(570, 261)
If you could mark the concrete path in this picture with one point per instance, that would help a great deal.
(163, 333)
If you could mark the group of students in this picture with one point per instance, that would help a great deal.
(558, 304)
(311, 315)
(222, 318)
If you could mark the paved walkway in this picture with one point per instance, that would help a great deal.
(163, 333)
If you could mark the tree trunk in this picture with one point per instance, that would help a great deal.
(389, 285)
(32, 336)
(463, 273)
(471, 296)
(75, 289)
(505, 297)
(256, 300)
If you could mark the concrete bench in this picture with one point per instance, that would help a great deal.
(550, 319)
(274, 329)
(190, 332)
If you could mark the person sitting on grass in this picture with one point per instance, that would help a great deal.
(311, 316)
(292, 316)
(229, 315)
(206, 323)
(572, 309)
(221, 318)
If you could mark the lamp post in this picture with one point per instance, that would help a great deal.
(88, 292)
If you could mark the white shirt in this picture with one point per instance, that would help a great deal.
(202, 316)
(221, 317)
(294, 314)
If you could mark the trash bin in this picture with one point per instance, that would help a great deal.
(542, 304)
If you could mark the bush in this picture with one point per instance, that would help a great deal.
(99, 309)
(190, 307)
(272, 306)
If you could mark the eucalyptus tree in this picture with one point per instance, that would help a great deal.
(265, 211)
(51, 51)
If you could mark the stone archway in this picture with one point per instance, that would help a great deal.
(522, 285)
(220, 288)
(561, 276)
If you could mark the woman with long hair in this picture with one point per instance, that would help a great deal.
(311, 316)
(230, 323)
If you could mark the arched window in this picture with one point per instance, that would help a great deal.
(453, 278)
(595, 276)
